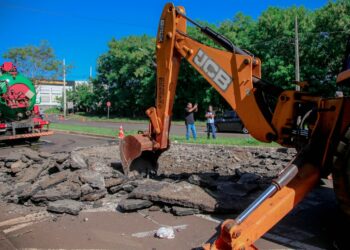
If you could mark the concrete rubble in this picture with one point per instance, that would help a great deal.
(65, 206)
(191, 179)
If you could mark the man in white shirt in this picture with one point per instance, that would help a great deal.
(210, 115)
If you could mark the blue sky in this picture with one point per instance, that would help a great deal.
(80, 30)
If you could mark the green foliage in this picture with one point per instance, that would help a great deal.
(229, 141)
(110, 132)
(36, 62)
(326, 46)
(126, 74)
(50, 111)
(275, 44)
(82, 97)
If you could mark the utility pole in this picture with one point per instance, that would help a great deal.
(64, 90)
(90, 80)
(297, 69)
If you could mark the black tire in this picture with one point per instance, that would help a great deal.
(341, 174)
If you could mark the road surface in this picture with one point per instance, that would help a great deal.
(314, 224)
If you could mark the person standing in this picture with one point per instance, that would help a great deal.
(189, 120)
(210, 115)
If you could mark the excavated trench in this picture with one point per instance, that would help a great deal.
(191, 179)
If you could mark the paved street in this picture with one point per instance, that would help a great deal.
(61, 142)
(312, 225)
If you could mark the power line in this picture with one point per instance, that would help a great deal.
(327, 32)
(303, 36)
(74, 16)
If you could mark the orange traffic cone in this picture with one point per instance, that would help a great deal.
(121, 132)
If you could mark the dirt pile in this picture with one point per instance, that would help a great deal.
(191, 179)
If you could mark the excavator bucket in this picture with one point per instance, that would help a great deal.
(137, 155)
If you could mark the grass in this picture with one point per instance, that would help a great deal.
(113, 132)
(50, 111)
(229, 141)
(100, 118)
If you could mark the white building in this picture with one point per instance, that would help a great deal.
(49, 92)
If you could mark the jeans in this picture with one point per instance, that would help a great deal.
(191, 127)
(211, 128)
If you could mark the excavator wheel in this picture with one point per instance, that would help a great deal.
(341, 173)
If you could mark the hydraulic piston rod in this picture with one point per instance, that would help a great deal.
(279, 199)
(277, 184)
(220, 39)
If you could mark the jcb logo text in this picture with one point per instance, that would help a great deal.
(212, 70)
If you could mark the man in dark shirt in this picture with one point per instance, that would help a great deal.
(189, 120)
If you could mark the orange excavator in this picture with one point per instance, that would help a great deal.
(319, 128)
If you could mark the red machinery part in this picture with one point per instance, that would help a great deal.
(8, 67)
(18, 96)
(36, 110)
(38, 122)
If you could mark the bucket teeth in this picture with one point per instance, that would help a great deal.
(138, 156)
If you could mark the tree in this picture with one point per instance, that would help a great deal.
(82, 97)
(36, 62)
(323, 34)
(126, 75)
(274, 43)
(326, 44)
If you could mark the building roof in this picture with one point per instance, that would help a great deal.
(54, 82)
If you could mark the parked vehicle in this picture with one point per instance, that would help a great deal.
(229, 122)
(20, 117)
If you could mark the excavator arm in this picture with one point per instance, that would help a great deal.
(232, 73)
(300, 120)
